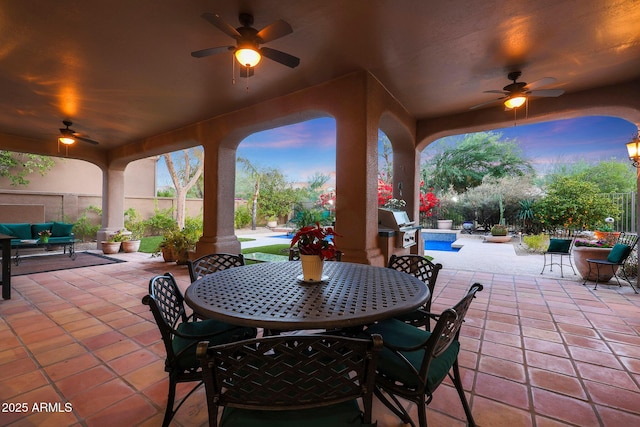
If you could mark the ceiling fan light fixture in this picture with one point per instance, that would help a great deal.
(248, 57)
(66, 140)
(515, 101)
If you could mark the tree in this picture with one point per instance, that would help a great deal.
(190, 168)
(464, 165)
(611, 176)
(255, 175)
(385, 165)
(573, 203)
(277, 196)
(17, 166)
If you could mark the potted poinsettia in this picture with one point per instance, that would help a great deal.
(315, 244)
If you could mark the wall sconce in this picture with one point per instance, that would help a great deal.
(633, 149)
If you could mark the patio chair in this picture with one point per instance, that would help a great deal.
(213, 262)
(290, 380)
(560, 245)
(414, 362)
(425, 270)
(616, 260)
(180, 335)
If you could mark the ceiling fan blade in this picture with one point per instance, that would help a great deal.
(82, 138)
(211, 51)
(246, 71)
(281, 57)
(496, 91)
(274, 31)
(546, 92)
(493, 101)
(545, 81)
(215, 20)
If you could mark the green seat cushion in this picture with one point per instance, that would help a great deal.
(205, 330)
(397, 333)
(61, 229)
(341, 414)
(618, 253)
(20, 231)
(37, 228)
(559, 245)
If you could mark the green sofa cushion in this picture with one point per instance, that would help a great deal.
(61, 229)
(397, 333)
(20, 231)
(618, 253)
(37, 228)
(5, 230)
(559, 245)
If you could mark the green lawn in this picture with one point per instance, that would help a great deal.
(150, 244)
(279, 249)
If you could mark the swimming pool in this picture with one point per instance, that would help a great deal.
(439, 241)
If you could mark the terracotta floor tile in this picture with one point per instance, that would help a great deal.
(534, 350)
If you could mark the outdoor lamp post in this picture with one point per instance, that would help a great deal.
(633, 149)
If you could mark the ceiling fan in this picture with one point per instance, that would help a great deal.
(248, 40)
(69, 136)
(517, 93)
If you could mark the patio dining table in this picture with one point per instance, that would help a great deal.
(273, 296)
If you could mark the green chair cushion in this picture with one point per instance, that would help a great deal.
(397, 333)
(201, 329)
(61, 229)
(37, 228)
(559, 245)
(618, 253)
(20, 231)
(341, 414)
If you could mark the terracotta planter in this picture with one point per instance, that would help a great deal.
(580, 256)
(168, 255)
(111, 247)
(131, 246)
(311, 268)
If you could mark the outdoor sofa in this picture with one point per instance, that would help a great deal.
(26, 235)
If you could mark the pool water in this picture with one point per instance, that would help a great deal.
(439, 245)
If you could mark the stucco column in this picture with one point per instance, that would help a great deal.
(112, 203)
(218, 234)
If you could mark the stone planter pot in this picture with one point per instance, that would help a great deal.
(580, 256)
(272, 224)
(168, 254)
(497, 239)
(131, 246)
(111, 247)
(445, 224)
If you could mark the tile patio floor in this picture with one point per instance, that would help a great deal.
(537, 351)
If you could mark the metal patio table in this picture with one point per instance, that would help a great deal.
(273, 296)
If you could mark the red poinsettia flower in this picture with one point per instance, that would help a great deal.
(316, 240)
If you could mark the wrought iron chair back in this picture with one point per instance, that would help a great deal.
(560, 245)
(425, 270)
(289, 372)
(211, 263)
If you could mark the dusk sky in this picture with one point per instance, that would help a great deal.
(303, 149)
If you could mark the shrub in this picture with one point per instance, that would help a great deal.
(161, 221)
(242, 217)
(498, 230)
(537, 243)
(86, 228)
(134, 224)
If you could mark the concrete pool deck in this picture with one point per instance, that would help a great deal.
(474, 255)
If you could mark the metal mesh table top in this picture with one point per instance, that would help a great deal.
(270, 295)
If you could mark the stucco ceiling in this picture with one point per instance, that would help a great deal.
(121, 70)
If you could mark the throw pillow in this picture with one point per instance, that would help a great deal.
(618, 253)
(20, 231)
(61, 229)
(37, 228)
(5, 230)
(559, 245)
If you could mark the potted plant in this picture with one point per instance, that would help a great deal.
(584, 249)
(112, 244)
(131, 243)
(44, 236)
(604, 231)
(167, 246)
(499, 234)
(315, 244)
(136, 226)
